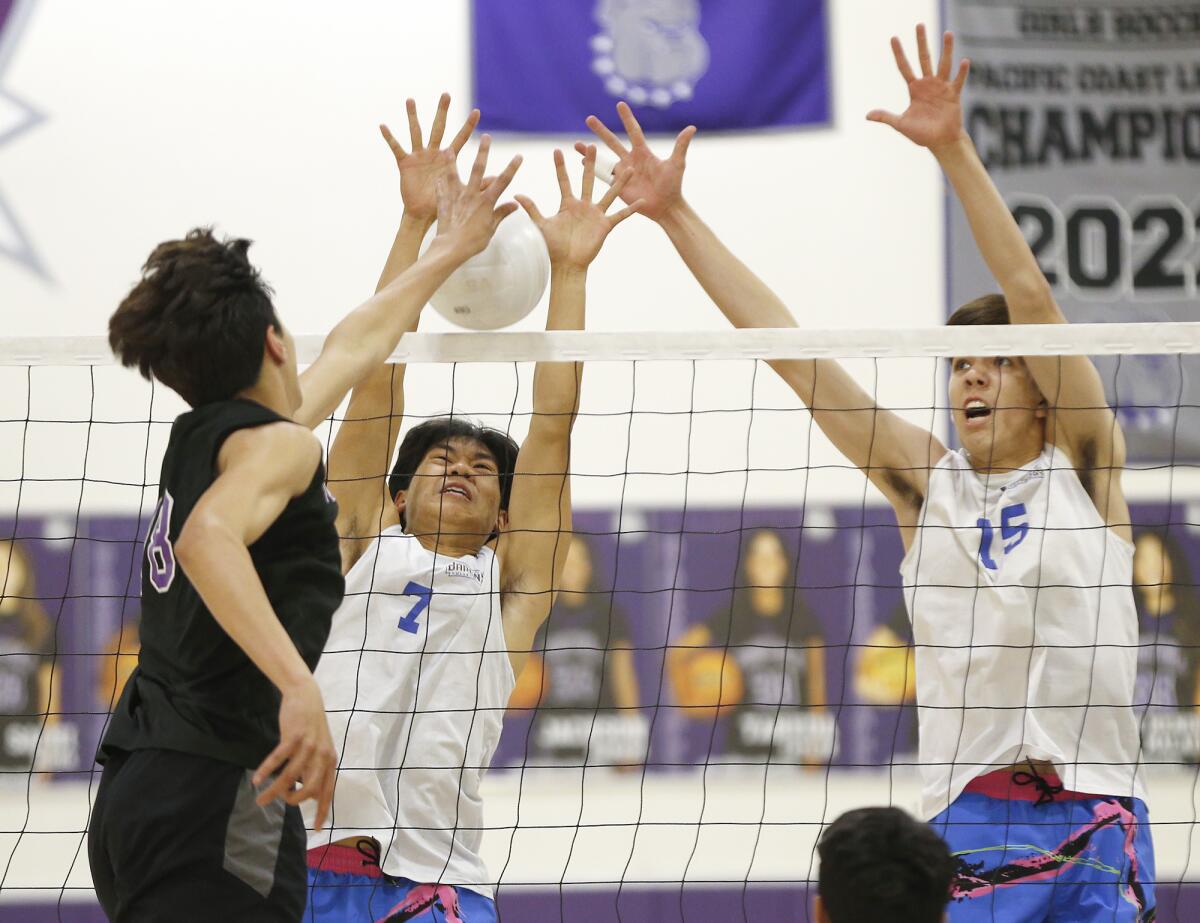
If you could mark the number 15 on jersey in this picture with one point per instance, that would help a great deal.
(1013, 529)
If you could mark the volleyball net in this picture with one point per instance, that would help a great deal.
(730, 663)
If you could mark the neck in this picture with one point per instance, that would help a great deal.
(1002, 463)
(767, 599)
(450, 546)
(270, 394)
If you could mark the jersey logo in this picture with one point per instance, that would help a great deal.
(1012, 532)
(459, 569)
(160, 554)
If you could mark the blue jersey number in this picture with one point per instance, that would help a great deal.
(409, 622)
(1013, 530)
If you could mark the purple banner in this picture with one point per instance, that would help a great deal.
(728, 636)
(545, 65)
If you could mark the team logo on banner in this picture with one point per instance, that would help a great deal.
(721, 65)
(16, 118)
(650, 52)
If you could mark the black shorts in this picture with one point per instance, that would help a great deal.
(174, 836)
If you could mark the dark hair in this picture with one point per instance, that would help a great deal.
(197, 319)
(990, 309)
(880, 865)
(440, 430)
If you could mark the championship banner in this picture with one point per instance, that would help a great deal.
(1088, 119)
(545, 65)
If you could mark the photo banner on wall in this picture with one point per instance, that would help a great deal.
(545, 65)
(1088, 119)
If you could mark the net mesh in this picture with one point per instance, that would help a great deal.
(729, 665)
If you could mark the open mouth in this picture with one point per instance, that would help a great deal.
(976, 409)
(456, 491)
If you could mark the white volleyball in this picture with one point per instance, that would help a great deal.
(499, 286)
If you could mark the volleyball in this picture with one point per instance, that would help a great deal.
(498, 287)
(710, 680)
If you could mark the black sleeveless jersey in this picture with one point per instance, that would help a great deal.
(194, 690)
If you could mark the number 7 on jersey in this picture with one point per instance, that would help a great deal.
(409, 621)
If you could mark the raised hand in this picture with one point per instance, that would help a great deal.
(467, 215)
(575, 235)
(934, 115)
(656, 183)
(421, 167)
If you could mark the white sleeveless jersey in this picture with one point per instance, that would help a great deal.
(416, 678)
(1025, 631)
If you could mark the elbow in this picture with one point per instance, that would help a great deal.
(200, 534)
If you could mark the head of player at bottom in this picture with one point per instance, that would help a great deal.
(880, 865)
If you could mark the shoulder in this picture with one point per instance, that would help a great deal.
(282, 447)
(282, 436)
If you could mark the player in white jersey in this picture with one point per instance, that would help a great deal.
(1019, 560)
(450, 572)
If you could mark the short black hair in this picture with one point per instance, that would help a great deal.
(880, 865)
(440, 430)
(990, 309)
(197, 319)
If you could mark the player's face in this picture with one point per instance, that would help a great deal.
(766, 561)
(997, 409)
(456, 489)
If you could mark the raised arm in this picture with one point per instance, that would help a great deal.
(1080, 419)
(893, 453)
(533, 546)
(366, 439)
(467, 218)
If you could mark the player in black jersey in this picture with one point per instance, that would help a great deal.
(221, 730)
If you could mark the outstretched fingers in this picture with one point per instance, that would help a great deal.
(603, 132)
(560, 169)
(496, 189)
(964, 70)
(632, 128)
(480, 165)
(414, 125)
(682, 141)
(503, 212)
(464, 133)
(923, 51)
(397, 151)
(589, 174)
(883, 116)
(614, 191)
(531, 209)
(902, 64)
(439, 122)
(946, 62)
(625, 212)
